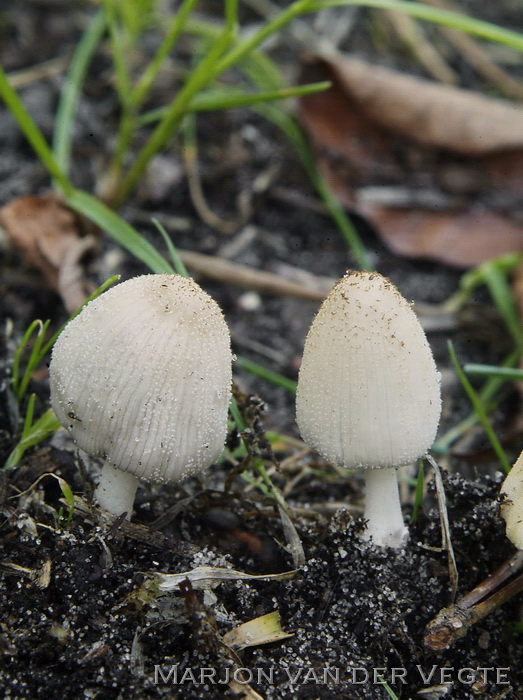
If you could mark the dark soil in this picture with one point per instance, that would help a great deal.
(80, 611)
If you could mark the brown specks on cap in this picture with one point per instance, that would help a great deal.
(368, 391)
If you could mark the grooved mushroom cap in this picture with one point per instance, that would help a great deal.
(512, 505)
(142, 377)
(368, 390)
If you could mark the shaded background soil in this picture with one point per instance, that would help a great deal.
(79, 614)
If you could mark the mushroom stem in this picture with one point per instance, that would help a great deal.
(116, 490)
(385, 525)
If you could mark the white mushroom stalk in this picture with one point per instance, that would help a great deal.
(142, 379)
(369, 392)
(385, 524)
(116, 490)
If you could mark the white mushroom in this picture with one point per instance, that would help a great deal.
(142, 378)
(369, 392)
(512, 503)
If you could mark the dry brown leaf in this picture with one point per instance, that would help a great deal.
(433, 114)
(462, 239)
(443, 153)
(50, 238)
(342, 134)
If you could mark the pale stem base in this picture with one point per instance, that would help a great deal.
(385, 525)
(116, 490)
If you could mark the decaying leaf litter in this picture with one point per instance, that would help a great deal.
(84, 606)
(436, 169)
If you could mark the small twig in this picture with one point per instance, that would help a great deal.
(453, 623)
(264, 282)
(192, 167)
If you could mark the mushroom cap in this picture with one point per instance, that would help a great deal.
(369, 390)
(142, 377)
(512, 505)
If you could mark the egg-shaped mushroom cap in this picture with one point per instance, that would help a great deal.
(368, 390)
(142, 377)
(512, 503)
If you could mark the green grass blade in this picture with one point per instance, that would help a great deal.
(257, 65)
(504, 265)
(266, 374)
(262, 71)
(387, 687)
(228, 98)
(45, 426)
(489, 392)
(39, 349)
(33, 134)
(175, 257)
(501, 294)
(148, 77)
(29, 416)
(447, 18)
(65, 113)
(69, 499)
(418, 499)
(200, 77)
(504, 373)
(118, 48)
(243, 48)
(231, 15)
(236, 415)
(118, 229)
(15, 372)
(34, 359)
(479, 409)
(67, 493)
(231, 99)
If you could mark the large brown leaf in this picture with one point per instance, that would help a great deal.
(433, 114)
(379, 130)
(465, 238)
